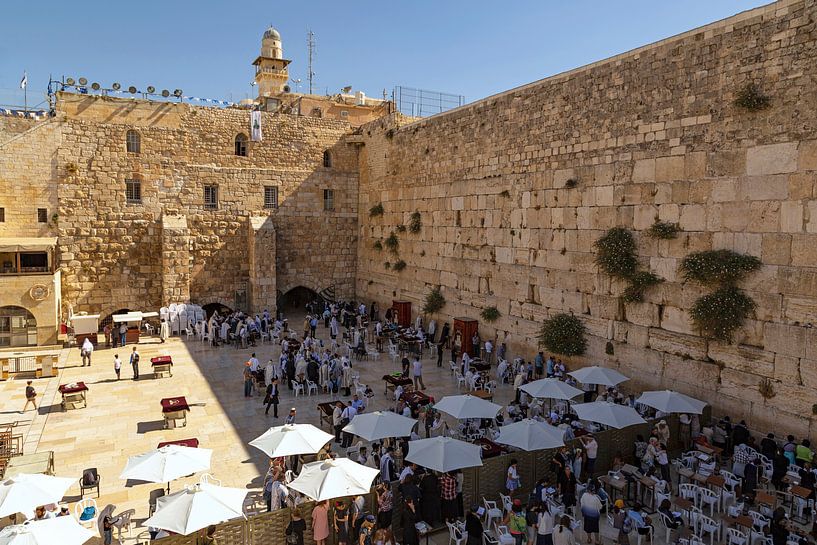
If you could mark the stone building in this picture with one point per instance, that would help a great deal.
(512, 191)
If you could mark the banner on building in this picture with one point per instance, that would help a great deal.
(255, 125)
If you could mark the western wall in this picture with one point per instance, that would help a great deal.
(513, 190)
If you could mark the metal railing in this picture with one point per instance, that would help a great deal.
(422, 102)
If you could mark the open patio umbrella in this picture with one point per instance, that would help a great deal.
(167, 463)
(62, 530)
(291, 439)
(530, 435)
(672, 402)
(328, 479)
(598, 375)
(467, 406)
(443, 454)
(24, 492)
(551, 388)
(197, 507)
(609, 414)
(379, 425)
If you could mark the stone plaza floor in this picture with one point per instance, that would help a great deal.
(124, 418)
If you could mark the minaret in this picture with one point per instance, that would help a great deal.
(271, 74)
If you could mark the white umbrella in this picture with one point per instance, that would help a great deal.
(467, 406)
(671, 402)
(379, 425)
(328, 479)
(62, 530)
(598, 375)
(24, 492)
(197, 507)
(551, 388)
(609, 414)
(531, 435)
(164, 464)
(291, 439)
(444, 454)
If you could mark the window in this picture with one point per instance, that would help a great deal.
(328, 199)
(17, 327)
(34, 262)
(42, 215)
(211, 197)
(133, 142)
(344, 113)
(316, 112)
(270, 196)
(327, 159)
(133, 191)
(2, 215)
(241, 145)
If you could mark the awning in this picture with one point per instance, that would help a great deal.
(133, 316)
(27, 244)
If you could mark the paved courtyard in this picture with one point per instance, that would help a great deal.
(124, 418)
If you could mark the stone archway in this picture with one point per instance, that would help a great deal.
(296, 299)
(221, 308)
(18, 327)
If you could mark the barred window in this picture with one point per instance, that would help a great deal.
(328, 199)
(270, 196)
(327, 159)
(211, 197)
(42, 215)
(133, 191)
(2, 215)
(133, 142)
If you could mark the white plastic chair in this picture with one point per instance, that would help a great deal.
(208, 478)
(708, 526)
(452, 365)
(689, 492)
(492, 512)
(80, 506)
(297, 387)
(710, 498)
(666, 523)
(504, 536)
(460, 380)
(507, 504)
(311, 387)
(736, 537)
(123, 520)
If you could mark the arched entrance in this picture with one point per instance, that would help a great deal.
(210, 308)
(108, 320)
(296, 299)
(17, 327)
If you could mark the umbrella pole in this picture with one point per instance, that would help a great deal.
(168, 487)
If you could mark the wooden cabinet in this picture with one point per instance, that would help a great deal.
(466, 327)
(402, 310)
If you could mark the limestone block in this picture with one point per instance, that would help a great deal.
(811, 224)
(696, 373)
(644, 216)
(740, 384)
(804, 250)
(792, 398)
(693, 217)
(727, 163)
(669, 212)
(724, 190)
(776, 249)
(801, 185)
(740, 357)
(676, 319)
(808, 155)
(800, 310)
(764, 188)
(785, 339)
(808, 373)
(644, 314)
(764, 216)
(639, 364)
(787, 369)
(560, 177)
(644, 170)
(669, 168)
(695, 165)
(677, 343)
(665, 267)
(771, 159)
(604, 195)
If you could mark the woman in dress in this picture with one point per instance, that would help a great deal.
(296, 528)
(320, 522)
(512, 477)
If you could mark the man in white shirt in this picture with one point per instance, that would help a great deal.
(489, 350)
(348, 415)
(591, 447)
(417, 373)
(254, 363)
(407, 470)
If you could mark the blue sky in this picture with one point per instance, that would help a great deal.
(473, 48)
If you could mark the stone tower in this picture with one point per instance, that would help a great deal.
(271, 74)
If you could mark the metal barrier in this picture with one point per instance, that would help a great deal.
(23, 364)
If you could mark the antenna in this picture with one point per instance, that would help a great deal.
(310, 46)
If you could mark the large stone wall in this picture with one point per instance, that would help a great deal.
(652, 133)
(113, 253)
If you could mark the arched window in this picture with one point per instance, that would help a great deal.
(133, 142)
(241, 145)
(17, 327)
(327, 159)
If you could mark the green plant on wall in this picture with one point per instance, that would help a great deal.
(639, 283)
(663, 230)
(563, 334)
(434, 301)
(720, 313)
(505, 193)
(399, 265)
(386, 265)
(377, 245)
(490, 314)
(401, 228)
(751, 98)
(615, 253)
(376, 210)
(415, 223)
(718, 267)
(392, 242)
